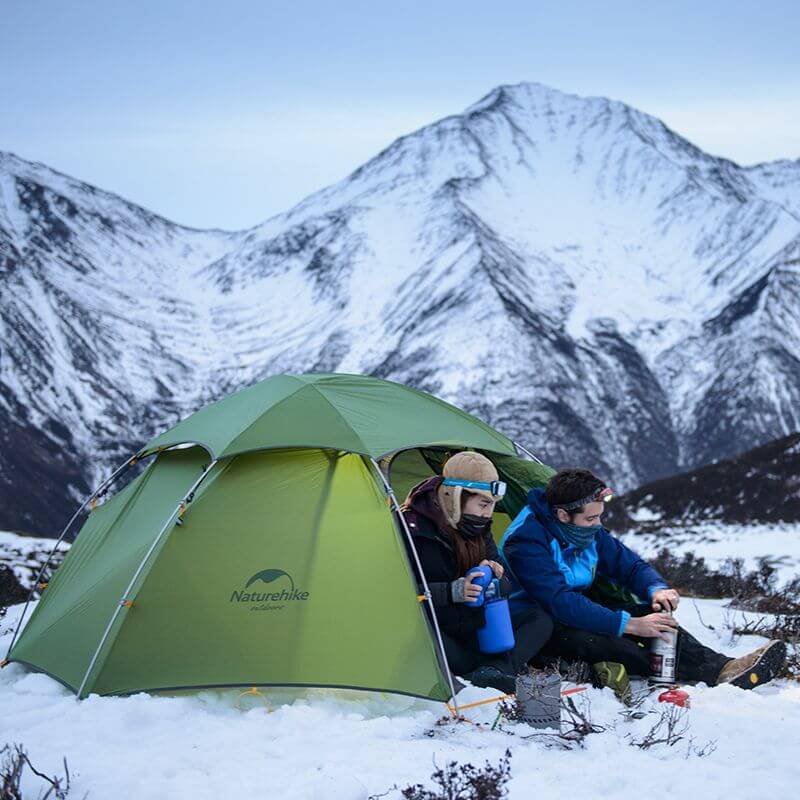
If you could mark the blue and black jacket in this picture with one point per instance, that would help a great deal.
(546, 572)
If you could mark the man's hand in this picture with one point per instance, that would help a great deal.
(665, 600)
(496, 568)
(651, 626)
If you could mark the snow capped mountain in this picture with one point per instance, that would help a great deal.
(567, 268)
(779, 181)
(93, 327)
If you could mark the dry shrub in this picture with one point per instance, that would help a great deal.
(13, 766)
(457, 781)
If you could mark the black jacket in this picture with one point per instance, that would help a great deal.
(429, 530)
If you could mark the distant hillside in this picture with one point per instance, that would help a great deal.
(760, 485)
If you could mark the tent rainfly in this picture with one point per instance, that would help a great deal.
(261, 544)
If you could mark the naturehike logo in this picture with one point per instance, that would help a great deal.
(287, 594)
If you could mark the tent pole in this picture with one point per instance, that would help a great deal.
(527, 452)
(125, 601)
(427, 592)
(99, 490)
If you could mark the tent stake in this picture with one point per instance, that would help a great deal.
(129, 589)
(90, 499)
(427, 592)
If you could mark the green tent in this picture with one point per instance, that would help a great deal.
(261, 545)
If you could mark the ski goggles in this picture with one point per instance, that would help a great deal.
(603, 494)
(496, 488)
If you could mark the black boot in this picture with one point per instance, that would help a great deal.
(492, 677)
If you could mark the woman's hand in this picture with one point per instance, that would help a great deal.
(472, 591)
(496, 568)
(651, 626)
(665, 600)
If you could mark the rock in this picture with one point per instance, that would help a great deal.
(11, 590)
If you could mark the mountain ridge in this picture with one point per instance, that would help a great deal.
(537, 260)
(761, 485)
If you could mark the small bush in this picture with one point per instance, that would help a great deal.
(15, 761)
(457, 781)
(670, 728)
(756, 590)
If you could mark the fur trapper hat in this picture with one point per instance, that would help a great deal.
(466, 466)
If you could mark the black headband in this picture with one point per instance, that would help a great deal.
(603, 493)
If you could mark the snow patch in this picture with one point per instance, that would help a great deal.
(645, 514)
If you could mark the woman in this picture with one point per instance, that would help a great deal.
(450, 519)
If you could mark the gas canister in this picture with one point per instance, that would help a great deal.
(663, 657)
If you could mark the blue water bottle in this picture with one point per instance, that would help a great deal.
(483, 581)
(497, 635)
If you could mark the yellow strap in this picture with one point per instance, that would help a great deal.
(480, 702)
(127, 603)
(421, 598)
(565, 693)
(4, 663)
(458, 718)
(43, 586)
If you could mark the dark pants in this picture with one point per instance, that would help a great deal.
(532, 629)
(695, 661)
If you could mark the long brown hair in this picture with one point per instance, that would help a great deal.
(469, 552)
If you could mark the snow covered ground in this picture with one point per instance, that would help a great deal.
(324, 744)
(717, 542)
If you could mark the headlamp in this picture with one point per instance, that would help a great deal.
(496, 488)
(603, 494)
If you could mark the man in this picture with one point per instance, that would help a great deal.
(556, 549)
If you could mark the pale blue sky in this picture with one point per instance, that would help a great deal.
(224, 113)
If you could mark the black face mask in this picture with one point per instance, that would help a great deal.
(471, 526)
